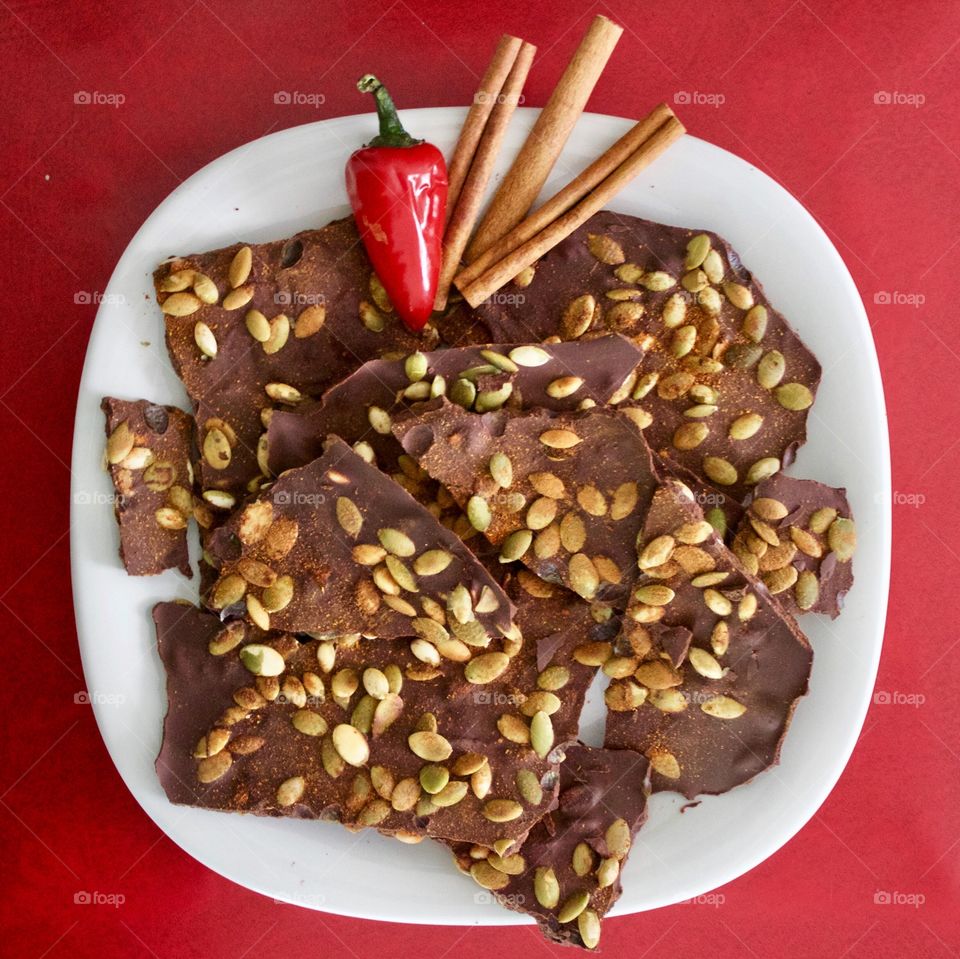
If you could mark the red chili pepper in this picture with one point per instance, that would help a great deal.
(398, 190)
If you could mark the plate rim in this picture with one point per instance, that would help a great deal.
(824, 786)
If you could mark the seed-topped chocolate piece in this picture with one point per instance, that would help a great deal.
(713, 666)
(567, 873)
(725, 384)
(362, 733)
(254, 326)
(336, 547)
(148, 453)
(799, 537)
(360, 409)
(563, 492)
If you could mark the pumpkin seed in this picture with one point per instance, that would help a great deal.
(204, 338)
(258, 615)
(278, 596)
(664, 763)
(690, 435)
(502, 810)
(501, 469)
(763, 469)
(415, 367)
(700, 412)
(806, 542)
(683, 341)
(515, 545)
(541, 734)
(713, 266)
(541, 513)
(573, 906)
(371, 317)
(530, 356)
(240, 266)
(609, 869)
(770, 370)
(605, 249)
(754, 326)
(463, 392)
(655, 595)
(657, 281)
(279, 334)
(710, 301)
(821, 519)
(451, 794)
(842, 539)
(432, 562)
(739, 295)
(433, 778)
(588, 925)
(169, 518)
(545, 887)
(180, 304)
(486, 876)
(397, 542)
(488, 400)
(262, 660)
(528, 785)
(697, 250)
(547, 484)
(309, 723)
(747, 607)
(350, 744)
(656, 552)
(692, 533)
(554, 677)
(794, 396)
(582, 859)
(583, 577)
(228, 590)
(723, 707)
(478, 512)
(704, 663)
(807, 590)
(592, 500)
(486, 668)
(559, 439)
(349, 516)
(212, 768)
(719, 470)
(743, 427)
(578, 317)
(694, 281)
(176, 281)
(717, 602)
(309, 322)
(430, 746)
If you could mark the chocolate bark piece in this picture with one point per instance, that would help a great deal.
(726, 382)
(337, 547)
(480, 378)
(711, 711)
(567, 873)
(362, 733)
(563, 492)
(250, 326)
(148, 453)
(799, 537)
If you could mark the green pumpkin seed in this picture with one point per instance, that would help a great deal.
(720, 471)
(515, 545)
(500, 361)
(415, 366)
(432, 562)
(478, 512)
(262, 660)
(396, 542)
(583, 576)
(842, 539)
(349, 516)
(608, 871)
(529, 356)
(541, 734)
(582, 859)
(588, 925)
(755, 323)
(821, 519)
(618, 838)
(429, 745)
(807, 590)
(563, 387)
(657, 281)
(739, 295)
(704, 663)
(683, 341)
(529, 787)
(717, 602)
(742, 356)
(690, 435)
(546, 888)
(794, 396)
(762, 469)
(718, 520)
(463, 392)
(694, 281)
(502, 810)
(697, 250)
(771, 369)
(710, 301)
(713, 266)
(573, 905)
(743, 427)
(723, 707)
(438, 387)
(433, 778)
(488, 400)
(486, 668)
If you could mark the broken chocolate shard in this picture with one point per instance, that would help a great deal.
(716, 717)
(799, 537)
(149, 449)
(572, 502)
(336, 547)
(360, 408)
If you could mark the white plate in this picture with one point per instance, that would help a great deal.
(293, 180)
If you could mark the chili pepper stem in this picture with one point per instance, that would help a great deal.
(392, 133)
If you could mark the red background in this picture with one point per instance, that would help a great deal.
(798, 81)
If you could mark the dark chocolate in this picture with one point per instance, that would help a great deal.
(716, 716)
(149, 449)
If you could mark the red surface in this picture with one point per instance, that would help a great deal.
(798, 82)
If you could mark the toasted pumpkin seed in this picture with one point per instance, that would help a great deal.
(770, 369)
(430, 746)
(697, 250)
(560, 439)
(541, 734)
(397, 542)
(605, 249)
(763, 469)
(739, 295)
(515, 545)
(546, 887)
(583, 577)
(794, 396)
(807, 590)
(573, 906)
(350, 744)
(842, 539)
(529, 787)
(486, 668)
(743, 427)
(723, 707)
(502, 810)
(719, 470)
(180, 304)
(478, 512)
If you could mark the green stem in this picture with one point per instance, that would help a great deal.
(391, 133)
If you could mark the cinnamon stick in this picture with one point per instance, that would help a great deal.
(571, 194)
(538, 154)
(527, 253)
(461, 220)
(484, 100)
